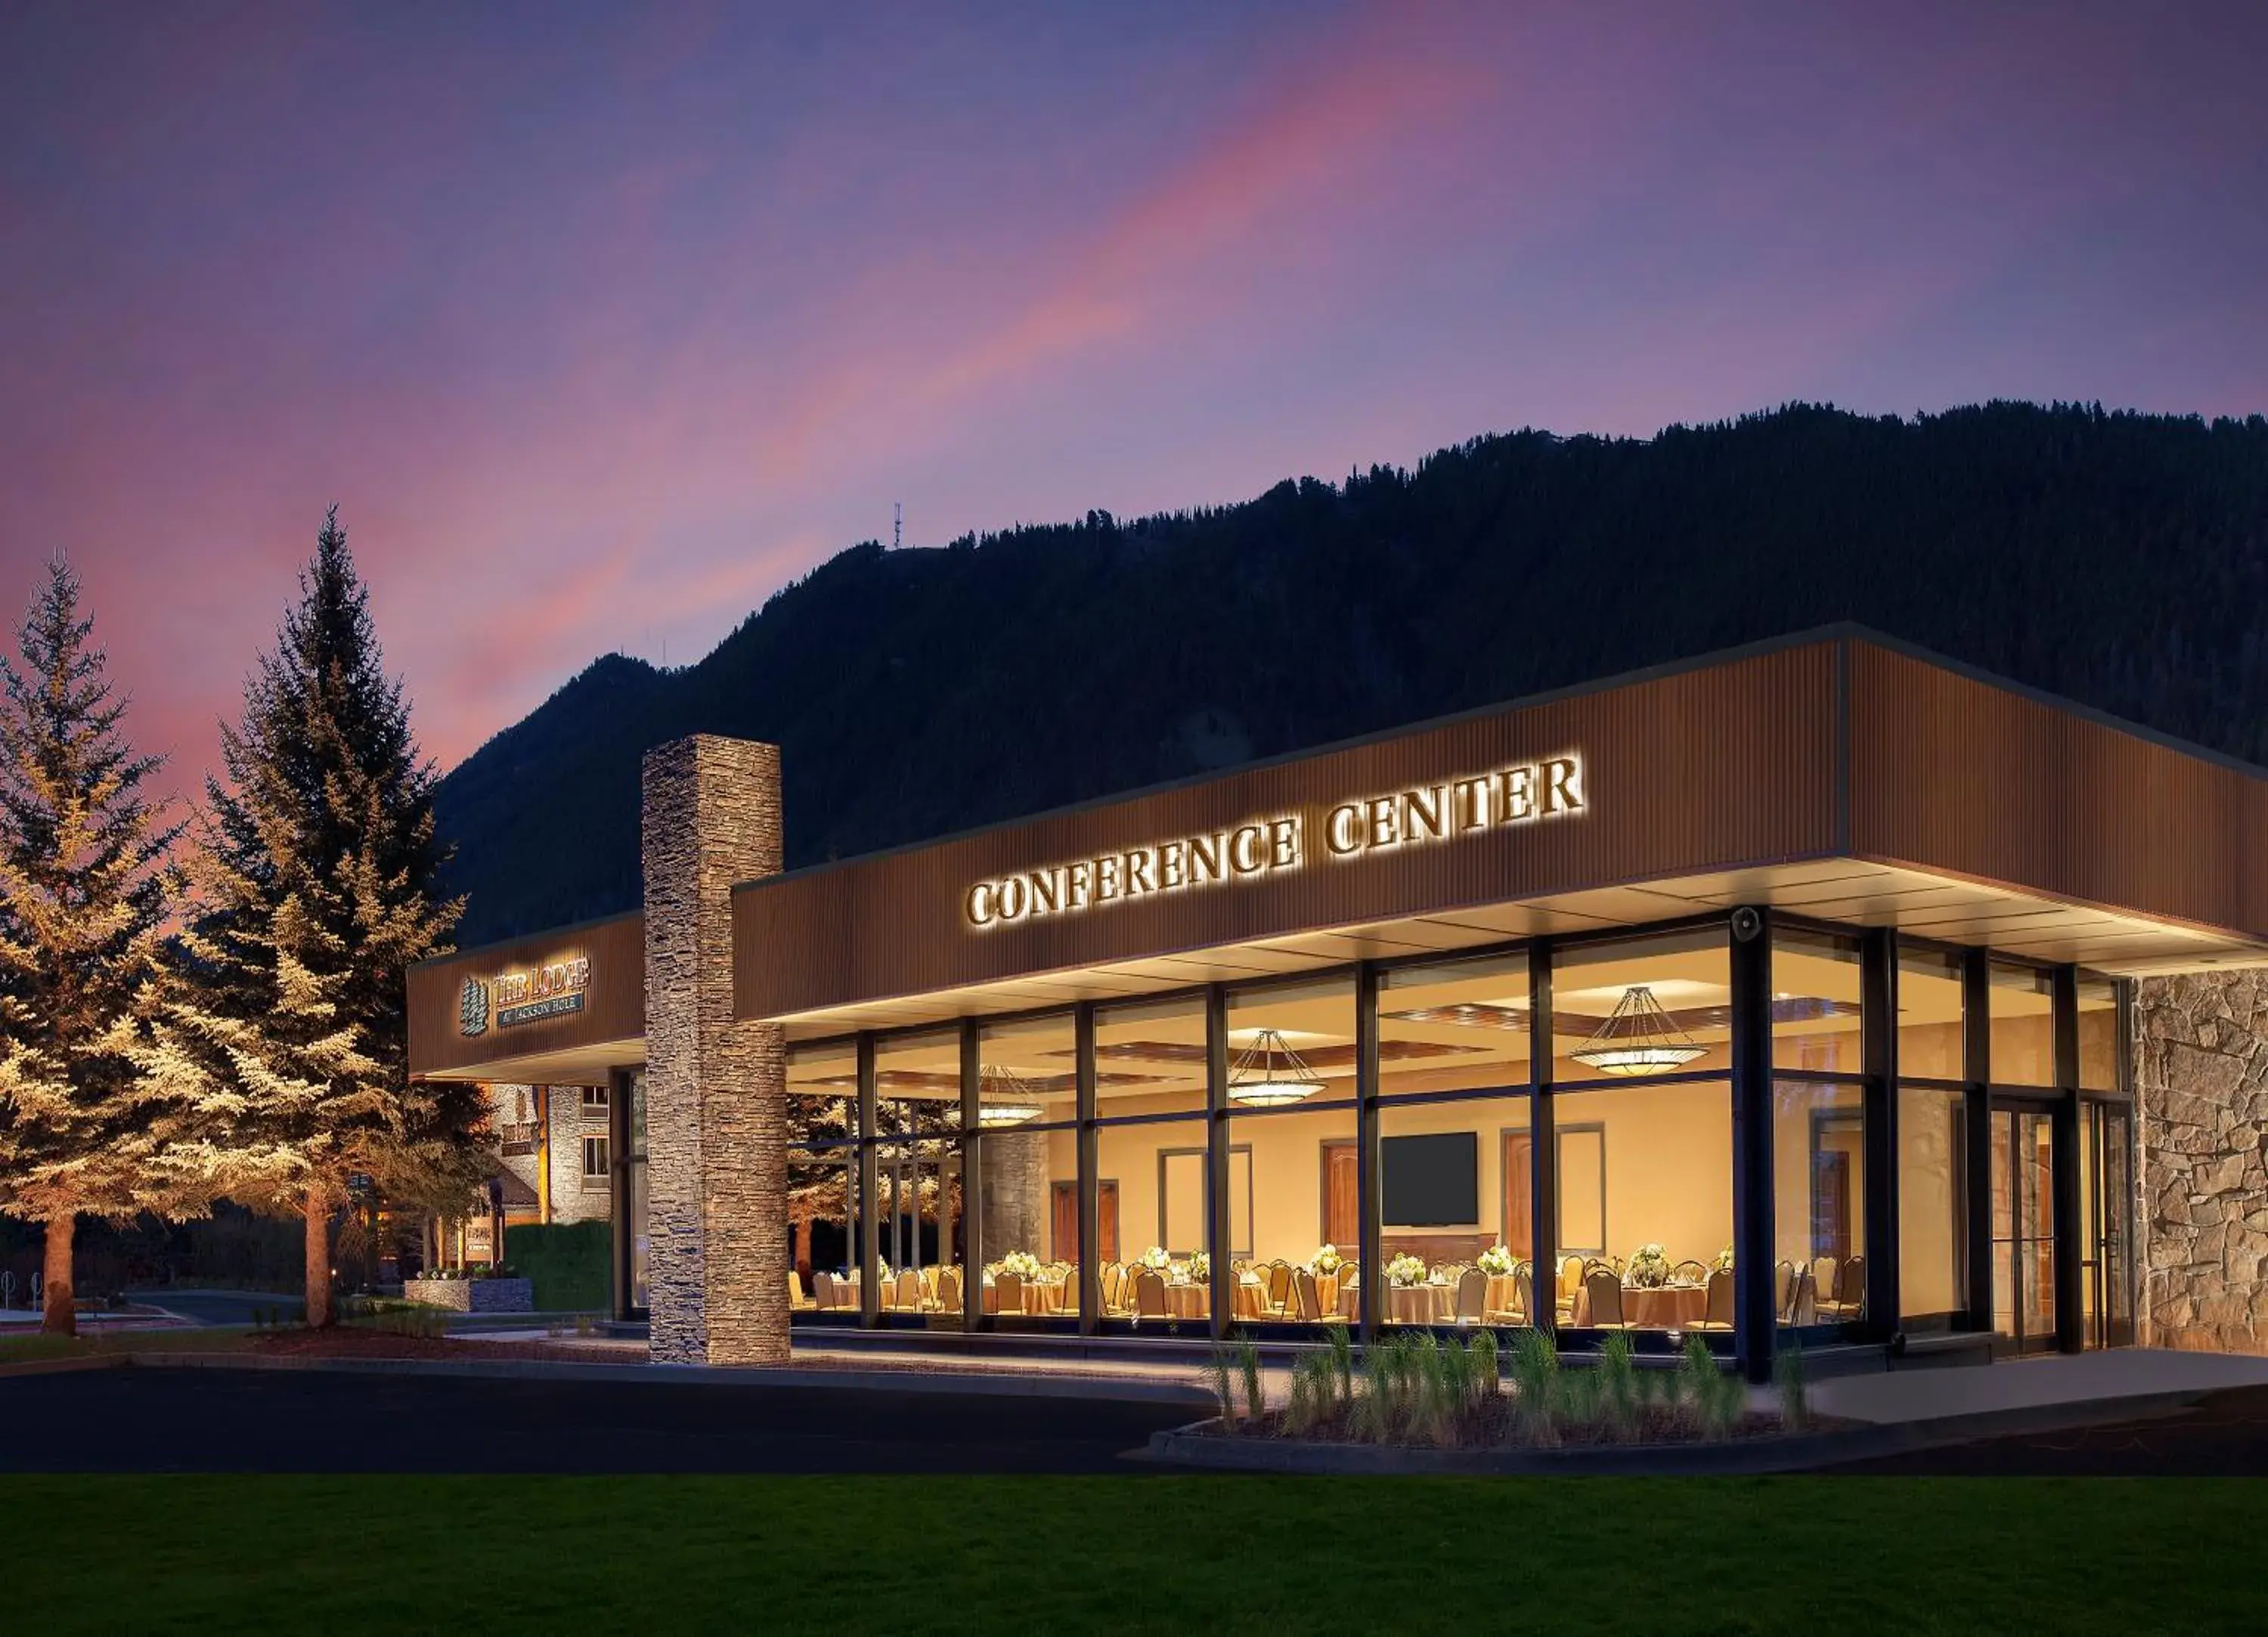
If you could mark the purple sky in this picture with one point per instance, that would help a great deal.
(600, 326)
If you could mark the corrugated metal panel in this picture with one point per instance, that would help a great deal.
(613, 1002)
(1950, 773)
(1708, 769)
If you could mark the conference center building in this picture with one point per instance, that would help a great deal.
(1821, 992)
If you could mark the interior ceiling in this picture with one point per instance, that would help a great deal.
(1849, 890)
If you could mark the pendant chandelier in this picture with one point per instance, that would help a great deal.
(1270, 1074)
(1638, 1039)
(1004, 1099)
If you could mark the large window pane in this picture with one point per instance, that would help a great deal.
(1458, 1024)
(1646, 1192)
(823, 1167)
(1819, 1217)
(1290, 1050)
(1933, 1207)
(2098, 1034)
(1456, 1195)
(2023, 1012)
(1816, 1015)
(1150, 1057)
(1929, 1014)
(1648, 1006)
(1153, 1204)
(917, 1151)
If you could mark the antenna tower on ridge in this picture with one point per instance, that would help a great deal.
(897, 525)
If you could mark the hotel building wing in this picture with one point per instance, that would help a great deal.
(1820, 990)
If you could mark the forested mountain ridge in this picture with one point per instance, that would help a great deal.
(2120, 560)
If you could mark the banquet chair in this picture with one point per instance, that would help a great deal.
(1306, 1300)
(1149, 1294)
(1472, 1296)
(1784, 1290)
(907, 1297)
(796, 1300)
(1850, 1298)
(1719, 1315)
(1570, 1281)
(1691, 1271)
(1114, 1276)
(1523, 1297)
(1278, 1294)
(822, 1292)
(948, 1290)
(1823, 1269)
(1805, 1309)
(1602, 1290)
(1008, 1293)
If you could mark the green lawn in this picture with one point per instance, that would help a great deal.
(27, 1348)
(1287, 1556)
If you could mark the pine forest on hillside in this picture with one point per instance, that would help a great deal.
(2120, 560)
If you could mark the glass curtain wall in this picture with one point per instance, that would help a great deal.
(1291, 1097)
(1818, 1131)
(1456, 1155)
(1641, 1035)
(1028, 1171)
(1638, 1157)
(1153, 1206)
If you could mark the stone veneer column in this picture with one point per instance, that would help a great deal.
(1012, 1193)
(2201, 1085)
(716, 1090)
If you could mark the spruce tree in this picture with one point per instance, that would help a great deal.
(84, 896)
(317, 869)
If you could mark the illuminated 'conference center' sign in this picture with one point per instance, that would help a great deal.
(1260, 847)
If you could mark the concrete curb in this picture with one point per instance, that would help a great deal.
(1189, 1446)
(970, 1383)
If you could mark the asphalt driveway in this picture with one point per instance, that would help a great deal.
(139, 1418)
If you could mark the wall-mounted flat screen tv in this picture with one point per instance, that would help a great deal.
(1430, 1181)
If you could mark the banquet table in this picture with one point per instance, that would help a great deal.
(1188, 1299)
(1040, 1297)
(1657, 1307)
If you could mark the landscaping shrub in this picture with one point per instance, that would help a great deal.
(571, 1263)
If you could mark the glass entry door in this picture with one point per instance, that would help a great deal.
(2023, 1230)
(2106, 1191)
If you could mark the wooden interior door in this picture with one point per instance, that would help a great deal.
(1519, 1199)
(1342, 1196)
(1063, 1219)
(1106, 1221)
(1831, 1204)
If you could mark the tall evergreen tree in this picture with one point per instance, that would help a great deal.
(84, 897)
(315, 868)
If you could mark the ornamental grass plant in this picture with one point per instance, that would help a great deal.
(1420, 1388)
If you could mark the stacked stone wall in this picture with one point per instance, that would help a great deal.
(2201, 1080)
(716, 1090)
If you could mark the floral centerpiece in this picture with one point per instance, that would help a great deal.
(1649, 1267)
(1497, 1262)
(1200, 1267)
(1725, 1260)
(1406, 1270)
(1326, 1260)
(1023, 1264)
(1156, 1261)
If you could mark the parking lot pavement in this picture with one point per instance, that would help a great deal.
(143, 1419)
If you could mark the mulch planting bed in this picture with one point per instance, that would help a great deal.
(348, 1342)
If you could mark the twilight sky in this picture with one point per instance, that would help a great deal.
(600, 324)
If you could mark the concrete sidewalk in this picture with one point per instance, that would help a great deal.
(2124, 1381)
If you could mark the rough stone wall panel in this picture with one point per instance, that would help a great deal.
(2201, 1078)
(716, 1103)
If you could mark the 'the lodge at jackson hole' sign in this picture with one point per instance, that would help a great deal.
(1455, 809)
(552, 990)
